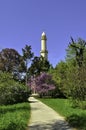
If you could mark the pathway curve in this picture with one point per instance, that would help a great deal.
(45, 118)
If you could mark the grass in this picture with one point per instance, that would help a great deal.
(75, 116)
(14, 117)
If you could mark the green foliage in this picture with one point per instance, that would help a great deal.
(59, 74)
(76, 50)
(27, 56)
(14, 117)
(75, 116)
(70, 75)
(76, 85)
(76, 74)
(11, 91)
(39, 64)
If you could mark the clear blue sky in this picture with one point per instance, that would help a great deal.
(23, 21)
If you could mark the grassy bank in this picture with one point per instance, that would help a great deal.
(75, 116)
(14, 117)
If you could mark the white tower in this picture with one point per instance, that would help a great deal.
(44, 51)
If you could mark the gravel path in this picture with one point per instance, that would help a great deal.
(45, 118)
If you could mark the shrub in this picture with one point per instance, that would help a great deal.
(11, 91)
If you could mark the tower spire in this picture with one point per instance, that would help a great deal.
(44, 51)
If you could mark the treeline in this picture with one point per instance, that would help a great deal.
(66, 80)
(22, 66)
(15, 73)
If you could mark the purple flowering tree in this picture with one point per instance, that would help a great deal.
(42, 84)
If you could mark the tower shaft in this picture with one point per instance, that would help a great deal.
(44, 51)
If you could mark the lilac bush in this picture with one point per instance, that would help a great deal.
(42, 84)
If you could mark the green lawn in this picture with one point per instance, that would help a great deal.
(14, 117)
(75, 116)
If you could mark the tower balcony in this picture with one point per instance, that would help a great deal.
(43, 51)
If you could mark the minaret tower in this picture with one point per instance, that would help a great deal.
(44, 51)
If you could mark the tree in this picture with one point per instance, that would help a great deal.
(42, 84)
(39, 64)
(27, 56)
(76, 74)
(59, 75)
(10, 60)
(76, 51)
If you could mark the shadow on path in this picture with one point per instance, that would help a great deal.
(54, 125)
(33, 101)
(45, 118)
